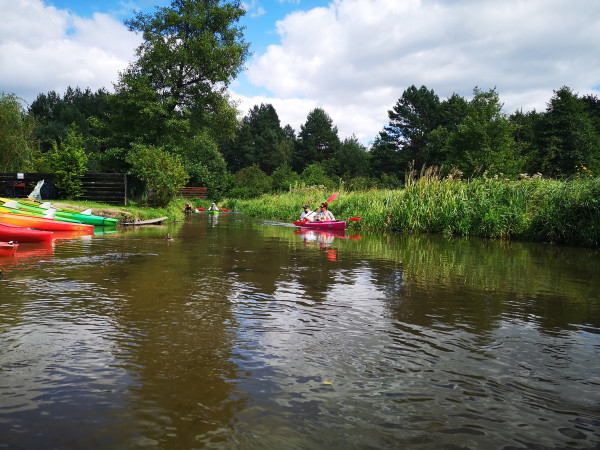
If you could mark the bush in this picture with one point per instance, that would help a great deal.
(250, 182)
(68, 161)
(162, 172)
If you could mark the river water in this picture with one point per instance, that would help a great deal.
(246, 334)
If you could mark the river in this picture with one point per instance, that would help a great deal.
(249, 334)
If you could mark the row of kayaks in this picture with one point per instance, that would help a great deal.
(29, 221)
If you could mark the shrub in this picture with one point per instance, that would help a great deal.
(162, 172)
(68, 161)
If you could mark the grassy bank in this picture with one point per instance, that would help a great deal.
(531, 209)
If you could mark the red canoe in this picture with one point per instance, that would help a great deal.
(23, 234)
(331, 225)
(8, 248)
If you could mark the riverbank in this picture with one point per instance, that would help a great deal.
(531, 209)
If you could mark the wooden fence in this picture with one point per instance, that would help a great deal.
(99, 187)
(193, 192)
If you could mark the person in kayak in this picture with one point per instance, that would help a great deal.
(213, 207)
(324, 215)
(307, 215)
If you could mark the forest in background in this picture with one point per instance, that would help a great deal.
(170, 122)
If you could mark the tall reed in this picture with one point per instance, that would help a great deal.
(532, 208)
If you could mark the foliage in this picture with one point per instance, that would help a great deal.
(352, 159)
(532, 208)
(205, 165)
(316, 175)
(283, 178)
(484, 138)
(190, 52)
(260, 140)
(317, 141)
(55, 115)
(17, 142)
(250, 182)
(162, 172)
(68, 161)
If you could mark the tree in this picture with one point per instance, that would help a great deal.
(55, 115)
(260, 140)
(68, 161)
(192, 50)
(569, 135)
(162, 172)
(205, 165)
(317, 141)
(484, 138)
(353, 159)
(250, 182)
(17, 143)
(283, 178)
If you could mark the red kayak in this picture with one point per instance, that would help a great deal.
(330, 225)
(23, 234)
(8, 248)
(42, 223)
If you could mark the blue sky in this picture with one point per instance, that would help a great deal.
(353, 58)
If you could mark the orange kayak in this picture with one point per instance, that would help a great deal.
(41, 223)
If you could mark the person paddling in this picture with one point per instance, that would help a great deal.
(213, 207)
(324, 215)
(307, 215)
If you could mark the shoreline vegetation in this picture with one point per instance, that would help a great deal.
(532, 209)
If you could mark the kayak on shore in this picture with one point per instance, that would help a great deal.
(22, 234)
(40, 208)
(42, 223)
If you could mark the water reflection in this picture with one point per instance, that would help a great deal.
(242, 333)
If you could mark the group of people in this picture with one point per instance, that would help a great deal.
(322, 215)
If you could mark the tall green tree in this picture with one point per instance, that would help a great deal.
(177, 87)
(205, 165)
(68, 161)
(569, 135)
(407, 137)
(318, 139)
(484, 139)
(353, 159)
(260, 140)
(17, 142)
(191, 51)
(55, 115)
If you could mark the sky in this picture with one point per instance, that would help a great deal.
(352, 58)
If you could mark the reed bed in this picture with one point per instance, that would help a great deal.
(530, 209)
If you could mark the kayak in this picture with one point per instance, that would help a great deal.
(8, 248)
(42, 223)
(61, 214)
(331, 225)
(23, 234)
(214, 213)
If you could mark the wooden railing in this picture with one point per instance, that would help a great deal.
(193, 192)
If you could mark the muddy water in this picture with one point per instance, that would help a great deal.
(244, 334)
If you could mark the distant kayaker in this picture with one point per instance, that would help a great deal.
(213, 207)
(324, 215)
(307, 215)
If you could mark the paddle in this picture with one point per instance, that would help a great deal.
(353, 219)
(332, 197)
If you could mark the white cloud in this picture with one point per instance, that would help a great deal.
(354, 58)
(43, 48)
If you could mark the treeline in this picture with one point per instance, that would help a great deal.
(258, 155)
(170, 122)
